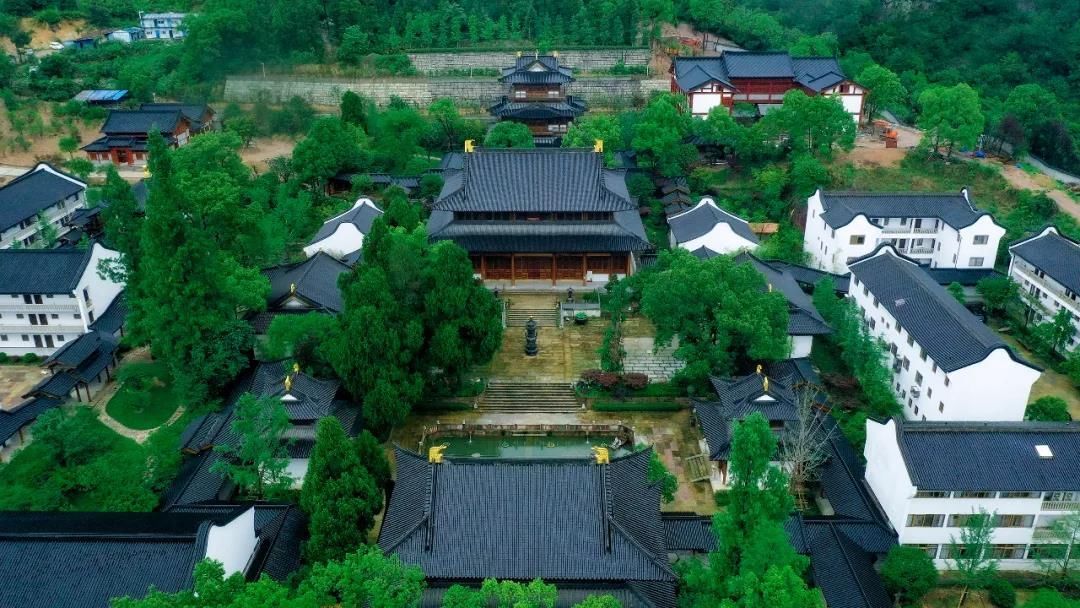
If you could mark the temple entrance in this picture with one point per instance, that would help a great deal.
(533, 267)
(570, 267)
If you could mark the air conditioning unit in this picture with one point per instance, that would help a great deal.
(915, 392)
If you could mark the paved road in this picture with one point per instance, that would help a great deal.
(130, 174)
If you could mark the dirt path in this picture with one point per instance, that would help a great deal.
(1019, 178)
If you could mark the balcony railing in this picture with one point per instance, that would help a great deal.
(1060, 505)
(1042, 534)
(38, 308)
(41, 329)
(1045, 283)
(917, 251)
(908, 229)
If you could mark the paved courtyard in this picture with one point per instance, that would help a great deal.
(15, 381)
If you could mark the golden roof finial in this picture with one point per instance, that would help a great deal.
(759, 369)
(555, 54)
(468, 146)
(770, 287)
(435, 453)
(292, 288)
(602, 455)
(288, 384)
(519, 53)
(765, 384)
(598, 146)
(296, 367)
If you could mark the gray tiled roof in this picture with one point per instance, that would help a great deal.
(953, 209)
(688, 532)
(1056, 255)
(843, 572)
(568, 520)
(967, 277)
(803, 316)
(697, 222)
(194, 112)
(814, 73)
(78, 351)
(809, 277)
(989, 456)
(112, 319)
(571, 107)
(361, 216)
(569, 595)
(952, 336)
(737, 399)
(315, 279)
(547, 71)
(541, 180)
(33, 192)
(27, 412)
(42, 271)
(85, 559)
(311, 398)
(141, 122)
(542, 237)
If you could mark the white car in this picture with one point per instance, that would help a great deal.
(56, 46)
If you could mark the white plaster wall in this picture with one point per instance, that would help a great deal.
(102, 291)
(721, 239)
(995, 389)
(345, 240)
(886, 473)
(1050, 301)
(984, 226)
(801, 345)
(701, 103)
(830, 248)
(233, 543)
(297, 469)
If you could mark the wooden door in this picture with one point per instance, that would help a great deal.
(569, 267)
(533, 267)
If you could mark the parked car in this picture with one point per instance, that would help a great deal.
(56, 46)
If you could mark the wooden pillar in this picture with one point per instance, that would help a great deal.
(513, 269)
(483, 267)
(584, 270)
(628, 264)
(554, 269)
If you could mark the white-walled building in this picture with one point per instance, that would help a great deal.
(947, 365)
(1047, 267)
(929, 477)
(708, 226)
(804, 320)
(935, 230)
(49, 297)
(162, 26)
(342, 236)
(761, 79)
(43, 192)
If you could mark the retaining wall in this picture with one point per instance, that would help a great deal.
(607, 91)
(585, 60)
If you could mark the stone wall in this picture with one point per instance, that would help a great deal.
(585, 60)
(606, 91)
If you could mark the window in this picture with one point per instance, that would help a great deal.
(90, 316)
(960, 520)
(922, 353)
(865, 290)
(553, 93)
(875, 302)
(975, 494)
(519, 94)
(931, 550)
(86, 295)
(946, 381)
(918, 378)
(930, 392)
(1056, 551)
(59, 338)
(975, 262)
(981, 239)
(1007, 551)
(834, 233)
(857, 239)
(917, 412)
(873, 323)
(55, 316)
(25, 338)
(931, 494)
(1020, 495)
(899, 329)
(1015, 521)
(910, 340)
(925, 521)
(77, 315)
(3, 337)
(934, 369)
(907, 363)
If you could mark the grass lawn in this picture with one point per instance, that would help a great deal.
(1050, 383)
(143, 409)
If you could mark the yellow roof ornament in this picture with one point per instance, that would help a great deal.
(435, 453)
(146, 171)
(468, 146)
(296, 367)
(598, 146)
(555, 54)
(288, 384)
(765, 384)
(759, 369)
(292, 288)
(602, 455)
(519, 53)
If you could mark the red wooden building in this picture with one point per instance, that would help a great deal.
(760, 80)
(126, 133)
(537, 97)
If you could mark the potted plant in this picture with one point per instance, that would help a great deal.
(580, 318)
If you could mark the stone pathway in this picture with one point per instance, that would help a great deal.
(640, 358)
(101, 401)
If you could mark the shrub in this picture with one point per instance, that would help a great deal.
(591, 377)
(636, 382)
(4, 357)
(1048, 409)
(637, 406)
(30, 358)
(722, 498)
(1001, 593)
(607, 380)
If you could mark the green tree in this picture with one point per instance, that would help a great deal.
(998, 293)
(721, 312)
(659, 474)
(956, 290)
(339, 495)
(599, 601)
(257, 462)
(512, 594)
(971, 554)
(883, 89)
(121, 215)
(330, 147)
(448, 130)
(1048, 409)
(355, 45)
(354, 110)
(807, 175)
(244, 127)
(909, 574)
(1058, 558)
(660, 132)
(69, 145)
(821, 45)
(47, 233)
(584, 132)
(365, 579)
(950, 116)
(507, 134)
(1031, 105)
(816, 124)
(300, 337)
(1049, 598)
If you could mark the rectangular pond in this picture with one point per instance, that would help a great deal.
(521, 441)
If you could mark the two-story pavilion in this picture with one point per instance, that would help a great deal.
(537, 97)
(541, 214)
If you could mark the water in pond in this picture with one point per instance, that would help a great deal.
(525, 446)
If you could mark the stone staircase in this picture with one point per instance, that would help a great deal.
(523, 397)
(545, 317)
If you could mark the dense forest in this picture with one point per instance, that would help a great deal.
(1018, 56)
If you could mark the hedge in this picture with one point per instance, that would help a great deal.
(637, 406)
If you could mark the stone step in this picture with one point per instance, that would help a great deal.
(520, 397)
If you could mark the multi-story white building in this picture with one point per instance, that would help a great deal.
(162, 26)
(42, 194)
(1047, 268)
(935, 230)
(49, 297)
(930, 477)
(946, 364)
